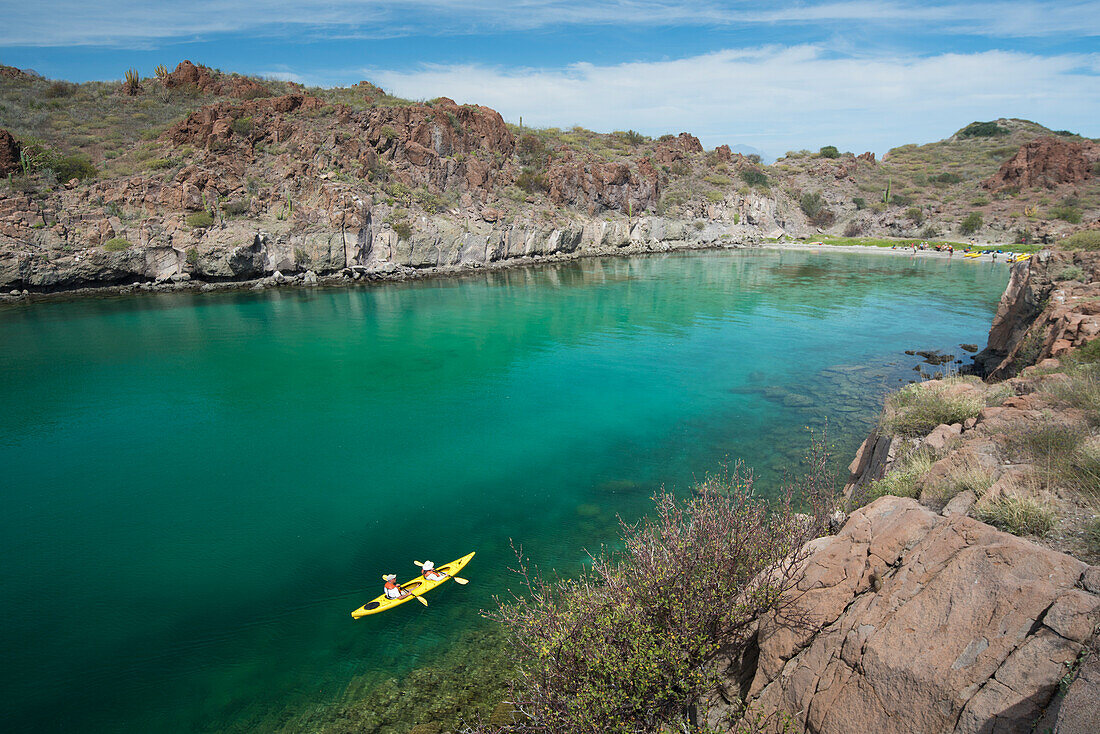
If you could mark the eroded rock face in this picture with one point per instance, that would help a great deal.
(682, 146)
(918, 622)
(9, 154)
(1045, 162)
(598, 185)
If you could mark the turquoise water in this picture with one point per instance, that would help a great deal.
(199, 489)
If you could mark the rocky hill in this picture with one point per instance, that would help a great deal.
(199, 175)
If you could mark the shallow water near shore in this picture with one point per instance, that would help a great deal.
(200, 488)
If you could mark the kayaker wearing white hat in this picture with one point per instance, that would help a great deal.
(428, 571)
(392, 589)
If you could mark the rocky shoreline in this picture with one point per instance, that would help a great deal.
(962, 593)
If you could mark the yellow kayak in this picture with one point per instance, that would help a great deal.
(973, 254)
(417, 586)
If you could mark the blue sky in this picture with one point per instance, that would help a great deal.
(777, 76)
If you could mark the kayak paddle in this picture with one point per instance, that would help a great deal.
(456, 578)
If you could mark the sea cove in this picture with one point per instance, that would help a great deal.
(201, 487)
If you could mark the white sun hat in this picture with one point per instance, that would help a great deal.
(390, 577)
(428, 565)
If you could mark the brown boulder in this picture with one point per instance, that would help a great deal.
(868, 156)
(1045, 162)
(723, 153)
(678, 148)
(9, 153)
(909, 621)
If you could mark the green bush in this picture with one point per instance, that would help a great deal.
(625, 645)
(860, 202)
(532, 181)
(754, 177)
(1087, 240)
(829, 151)
(902, 480)
(1070, 272)
(1069, 214)
(982, 130)
(402, 228)
(916, 409)
(532, 152)
(242, 126)
(915, 215)
(716, 180)
(813, 206)
(116, 244)
(971, 224)
(73, 166)
(1018, 515)
(200, 220)
(946, 178)
(192, 256)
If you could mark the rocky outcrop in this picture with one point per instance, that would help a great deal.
(909, 620)
(9, 153)
(1046, 162)
(11, 72)
(1049, 307)
(188, 75)
(675, 149)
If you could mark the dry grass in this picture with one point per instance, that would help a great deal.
(916, 409)
(1018, 515)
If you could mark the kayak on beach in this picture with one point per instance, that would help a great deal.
(415, 587)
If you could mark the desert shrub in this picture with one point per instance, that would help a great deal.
(829, 151)
(242, 126)
(301, 257)
(387, 133)
(716, 180)
(158, 164)
(679, 168)
(161, 72)
(402, 228)
(1087, 240)
(813, 206)
(1018, 515)
(1069, 214)
(1092, 534)
(531, 151)
(200, 220)
(946, 178)
(116, 244)
(853, 228)
(532, 181)
(1022, 236)
(754, 177)
(900, 200)
(192, 256)
(930, 232)
(634, 641)
(915, 215)
(73, 166)
(982, 130)
(860, 202)
(1070, 272)
(633, 137)
(916, 409)
(236, 207)
(971, 224)
(59, 89)
(714, 196)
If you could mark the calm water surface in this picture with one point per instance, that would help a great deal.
(198, 489)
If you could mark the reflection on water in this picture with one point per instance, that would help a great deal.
(201, 487)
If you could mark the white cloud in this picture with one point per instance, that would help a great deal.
(128, 23)
(780, 98)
